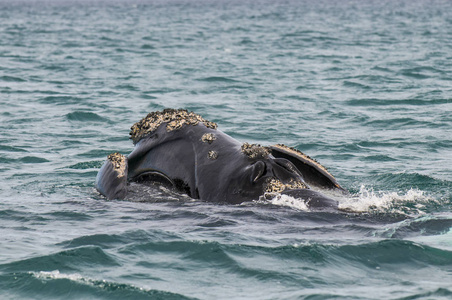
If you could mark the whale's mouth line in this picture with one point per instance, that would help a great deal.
(154, 176)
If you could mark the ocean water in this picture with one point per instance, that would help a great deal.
(364, 87)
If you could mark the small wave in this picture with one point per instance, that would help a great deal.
(392, 252)
(86, 165)
(405, 181)
(147, 47)
(372, 158)
(354, 84)
(163, 90)
(217, 79)
(106, 241)
(86, 284)
(427, 225)
(20, 216)
(416, 101)
(61, 100)
(8, 148)
(11, 79)
(421, 72)
(82, 116)
(69, 260)
(215, 222)
(103, 240)
(32, 160)
(398, 122)
(440, 293)
(69, 215)
(367, 200)
(127, 87)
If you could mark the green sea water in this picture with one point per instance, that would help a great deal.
(364, 87)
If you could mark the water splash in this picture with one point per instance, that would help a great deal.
(57, 275)
(284, 200)
(103, 285)
(412, 201)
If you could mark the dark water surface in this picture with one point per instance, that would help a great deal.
(365, 87)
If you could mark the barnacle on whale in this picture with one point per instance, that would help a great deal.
(119, 163)
(274, 185)
(255, 151)
(212, 154)
(174, 119)
(208, 138)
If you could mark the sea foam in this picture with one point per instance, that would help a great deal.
(368, 200)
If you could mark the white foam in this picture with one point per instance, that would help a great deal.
(366, 200)
(369, 200)
(57, 275)
(44, 275)
(286, 200)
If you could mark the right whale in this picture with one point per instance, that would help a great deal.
(184, 151)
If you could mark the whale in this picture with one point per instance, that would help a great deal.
(189, 154)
